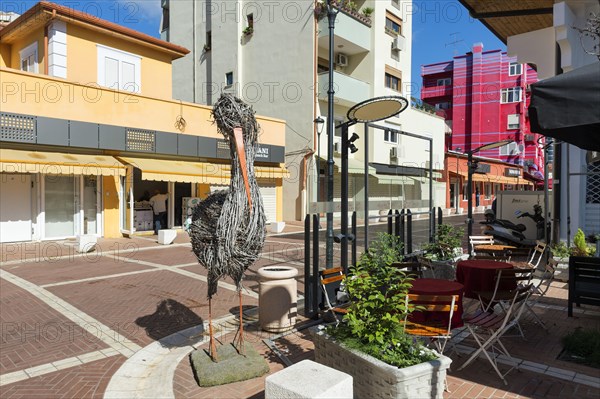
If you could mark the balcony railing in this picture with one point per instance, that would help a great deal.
(348, 90)
(436, 91)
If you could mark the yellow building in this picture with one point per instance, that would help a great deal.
(88, 129)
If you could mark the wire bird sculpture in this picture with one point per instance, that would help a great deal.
(228, 227)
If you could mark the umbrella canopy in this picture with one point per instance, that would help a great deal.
(567, 107)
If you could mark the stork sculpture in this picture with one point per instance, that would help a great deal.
(228, 227)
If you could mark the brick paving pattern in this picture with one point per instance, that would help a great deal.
(86, 381)
(34, 334)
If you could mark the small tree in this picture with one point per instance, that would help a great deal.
(447, 238)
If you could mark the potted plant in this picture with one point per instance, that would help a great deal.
(370, 344)
(368, 11)
(248, 31)
(445, 250)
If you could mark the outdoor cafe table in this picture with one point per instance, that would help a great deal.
(431, 286)
(493, 249)
(478, 275)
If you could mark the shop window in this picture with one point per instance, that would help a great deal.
(487, 191)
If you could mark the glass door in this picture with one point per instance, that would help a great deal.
(90, 205)
(127, 208)
(61, 199)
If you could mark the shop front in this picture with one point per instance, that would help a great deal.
(52, 195)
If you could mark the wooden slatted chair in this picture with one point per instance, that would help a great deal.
(336, 300)
(436, 330)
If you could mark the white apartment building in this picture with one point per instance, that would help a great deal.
(274, 55)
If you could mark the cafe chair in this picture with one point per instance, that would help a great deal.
(541, 284)
(480, 240)
(336, 299)
(426, 325)
(536, 257)
(487, 328)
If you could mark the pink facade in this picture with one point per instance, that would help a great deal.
(485, 95)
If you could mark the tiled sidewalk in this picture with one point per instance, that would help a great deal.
(70, 321)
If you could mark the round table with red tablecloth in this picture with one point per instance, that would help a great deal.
(479, 275)
(431, 286)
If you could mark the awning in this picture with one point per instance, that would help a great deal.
(479, 177)
(567, 107)
(57, 163)
(354, 165)
(397, 180)
(194, 172)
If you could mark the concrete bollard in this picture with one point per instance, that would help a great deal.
(308, 379)
(86, 243)
(166, 237)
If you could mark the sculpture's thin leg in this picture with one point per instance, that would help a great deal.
(240, 333)
(212, 346)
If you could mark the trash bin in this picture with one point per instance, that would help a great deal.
(277, 298)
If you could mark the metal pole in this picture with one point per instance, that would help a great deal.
(431, 212)
(469, 199)
(331, 14)
(546, 213)
(457, 193)
(366, 189)
(568, 186)
(344, 238)
(318, 169)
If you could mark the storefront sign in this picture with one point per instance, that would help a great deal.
(512, 172)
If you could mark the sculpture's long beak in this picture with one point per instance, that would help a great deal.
(239, 145)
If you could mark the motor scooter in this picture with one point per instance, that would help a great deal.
(504, 231)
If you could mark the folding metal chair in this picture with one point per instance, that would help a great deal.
(541, 285)
(487, 328)
(336, 300)
(438, 331)
(536, 257)
(479, 240)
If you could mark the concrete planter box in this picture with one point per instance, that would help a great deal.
(376, 379)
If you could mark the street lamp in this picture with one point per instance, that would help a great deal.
(372, 110)
(457, 194)
(471, 169)
(320, 124)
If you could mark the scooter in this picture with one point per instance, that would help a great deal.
(505, 231)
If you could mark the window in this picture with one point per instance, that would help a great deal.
(513, 121)
(229, 78)
(392, 82)
(29, 58)
(208, 44)
(393, 24)
(390, 136)
(444, 105)
(396, 3)
(514, 69)
(444, 82)
(464, 191)
(250, 18)
(119, 70)
(487, 190)
(511, 95)
(509, 149)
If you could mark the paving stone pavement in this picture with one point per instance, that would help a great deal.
(70, 323)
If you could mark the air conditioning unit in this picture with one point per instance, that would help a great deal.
(337, 147)
(342, 60)
(398, 43)
(394, 152)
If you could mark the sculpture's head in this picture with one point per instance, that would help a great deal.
(236, 122)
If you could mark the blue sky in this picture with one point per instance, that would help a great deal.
(436, 24)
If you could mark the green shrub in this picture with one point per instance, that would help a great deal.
(560, 250)
(585, 345)
(447, 237)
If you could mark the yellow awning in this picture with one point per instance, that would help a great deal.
(57, 163)
(487, 178)
(193, 172)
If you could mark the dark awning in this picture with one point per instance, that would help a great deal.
(567, 107)
(398, 170)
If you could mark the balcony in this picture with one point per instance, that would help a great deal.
(348, 90)
(37, 95)
(354, 35)
(436, 91)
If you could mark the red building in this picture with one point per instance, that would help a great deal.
(484, 96)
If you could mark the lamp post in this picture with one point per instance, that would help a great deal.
(371, 110)
(331, 15)
(319, 122)
(471, 166)
(457, 194)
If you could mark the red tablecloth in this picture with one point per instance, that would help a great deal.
(430, 286)
(478, 275)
